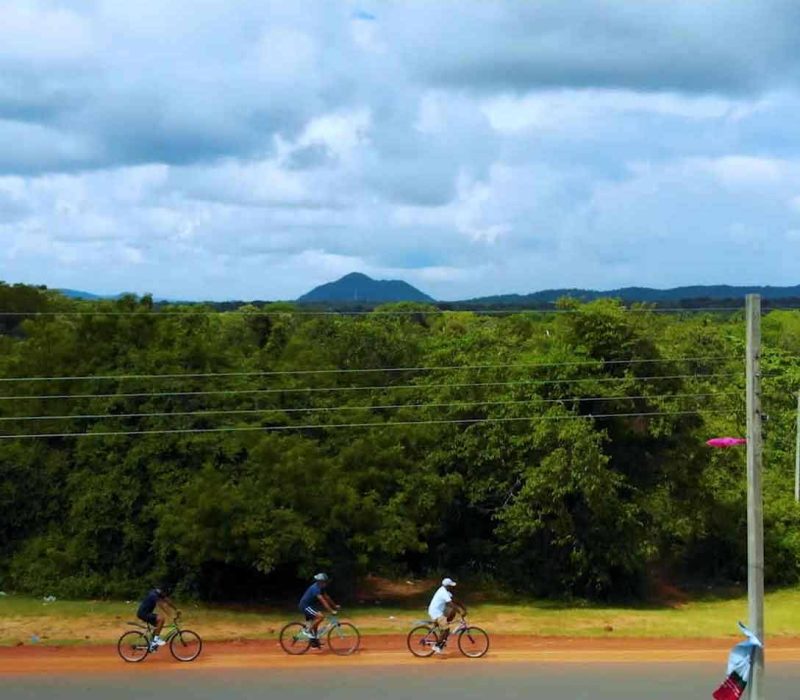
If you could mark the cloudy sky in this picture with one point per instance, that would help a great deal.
(254, 149)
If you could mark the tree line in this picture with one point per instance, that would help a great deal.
(561, 454)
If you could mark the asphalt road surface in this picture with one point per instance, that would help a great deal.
(432, 681)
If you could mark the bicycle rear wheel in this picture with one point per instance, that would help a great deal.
(421, 639)
(186, 645)
(294, 640)
(344, 639)
(133, 646)
(473, 642)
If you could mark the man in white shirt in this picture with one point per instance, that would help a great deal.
(442, 610)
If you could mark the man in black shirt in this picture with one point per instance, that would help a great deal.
(155, 599)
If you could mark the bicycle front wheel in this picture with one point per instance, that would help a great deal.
(294, 639)
(186, 645)
(133, 646)
(344, 639)
(421, 639)
(473, 642)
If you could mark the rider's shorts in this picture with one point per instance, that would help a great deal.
(311, 613)
(149, 618)
(442, 622)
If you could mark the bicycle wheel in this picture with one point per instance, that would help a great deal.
(421, 639)
(473, 642)
(344, 639)
(185, 645)
(133, 646)
(294, 640)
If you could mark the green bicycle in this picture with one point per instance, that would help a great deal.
(136, 645)
(342, 637)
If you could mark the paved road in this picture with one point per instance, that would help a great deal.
(485, 680)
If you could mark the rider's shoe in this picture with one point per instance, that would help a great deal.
(315, 643)
(437, 649)
(158, 642)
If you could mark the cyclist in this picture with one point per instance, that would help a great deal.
(312, 601)
(442, 610)
(157, 598)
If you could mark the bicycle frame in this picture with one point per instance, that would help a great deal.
(462, 626)
(331, 622)
(460, 629)
(172, 630)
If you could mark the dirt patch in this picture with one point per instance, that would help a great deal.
(387, 590)
(381, 650)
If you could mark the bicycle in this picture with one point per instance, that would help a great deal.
(472, 641)
(343, 638)
(136, 645)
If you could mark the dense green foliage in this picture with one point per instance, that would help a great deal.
(552, 495)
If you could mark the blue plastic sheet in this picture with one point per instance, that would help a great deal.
(741, 657)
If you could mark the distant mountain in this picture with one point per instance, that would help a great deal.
(357, 288)
(78, 294)
(88, 296)
(640, 294)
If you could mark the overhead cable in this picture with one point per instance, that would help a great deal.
(368, 387)
(384, 407)
(366, 370)
(371, 424)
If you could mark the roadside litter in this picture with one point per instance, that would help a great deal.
(740, 663)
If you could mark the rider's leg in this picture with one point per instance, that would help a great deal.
(443, 629)
(316, 622)
(450, 615)
(154, 625)
(158, 625)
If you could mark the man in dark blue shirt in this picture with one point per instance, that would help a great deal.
(156, 598)
(313, 599)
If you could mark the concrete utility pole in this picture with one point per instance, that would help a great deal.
(797, 454)
(755, 519)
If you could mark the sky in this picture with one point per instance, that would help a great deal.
(200, 149)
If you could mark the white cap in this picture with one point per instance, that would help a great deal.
(448, 582)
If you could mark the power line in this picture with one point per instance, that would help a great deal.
(369, 387)
(368, 370)
(334, 409)
(375, 424)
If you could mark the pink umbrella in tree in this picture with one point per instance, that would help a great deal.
(726, 442)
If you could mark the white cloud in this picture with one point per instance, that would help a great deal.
(341, 133)
(367, 34)
(285, 54)
(571, 108)
(35, 34)
(747, 171)
(471, 148)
